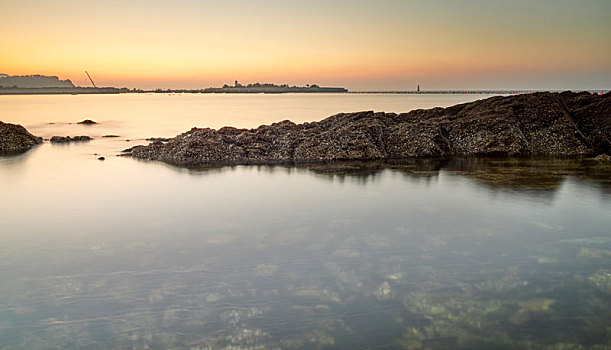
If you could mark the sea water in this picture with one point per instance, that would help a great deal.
(419, 254)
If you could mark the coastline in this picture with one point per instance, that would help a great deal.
(58, 91)
(113, 90)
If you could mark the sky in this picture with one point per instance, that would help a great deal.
(357, 44)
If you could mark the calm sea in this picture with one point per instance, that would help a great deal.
(421, 254)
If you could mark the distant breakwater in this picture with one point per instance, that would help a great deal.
(549, 124)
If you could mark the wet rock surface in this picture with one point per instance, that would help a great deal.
(15, 138)
(68, 139)
(555, 124)
(603, 158)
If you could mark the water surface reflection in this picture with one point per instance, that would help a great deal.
(419, 254)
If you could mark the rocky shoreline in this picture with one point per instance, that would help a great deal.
(544, 124)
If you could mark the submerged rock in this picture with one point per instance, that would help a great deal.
(559, 124)
(15, 138)
(601, 280)
(67, 139)
(384, 292)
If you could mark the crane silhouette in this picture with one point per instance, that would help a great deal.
(89, 76)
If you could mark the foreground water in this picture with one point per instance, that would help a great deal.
(423, 254)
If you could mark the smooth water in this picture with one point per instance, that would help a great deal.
(421, 254)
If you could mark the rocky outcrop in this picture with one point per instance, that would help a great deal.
(556, 124)
(67, 139)
(15, 138)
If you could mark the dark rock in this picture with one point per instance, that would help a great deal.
(87, 122)
(15, 138)
(66, 139)
(551, 124)
(110, 136)
(603, 158)
(101, 158)
(159, 139)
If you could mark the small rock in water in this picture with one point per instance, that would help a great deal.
(158, 139)
(66, 139)
(101, 158)
(87, 122)
(110, 136)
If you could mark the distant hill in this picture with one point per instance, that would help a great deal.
(33, 81)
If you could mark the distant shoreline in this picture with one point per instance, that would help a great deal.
(112, 90)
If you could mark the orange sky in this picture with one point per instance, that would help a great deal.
(361, 45)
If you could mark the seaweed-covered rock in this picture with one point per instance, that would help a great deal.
(15, 138)
(558, 124)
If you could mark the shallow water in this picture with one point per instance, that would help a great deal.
(439, 254)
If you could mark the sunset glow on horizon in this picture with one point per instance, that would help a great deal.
(361, 45)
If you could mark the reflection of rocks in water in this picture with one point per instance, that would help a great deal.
(532, 176)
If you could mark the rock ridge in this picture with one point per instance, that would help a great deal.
(548, 124)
